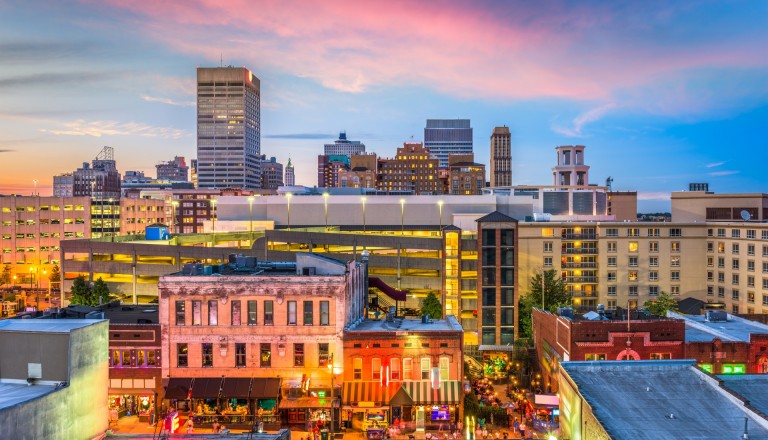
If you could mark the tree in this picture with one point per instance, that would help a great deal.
(55, 275)
(471, 405)
(431, 306)
(101, 293)
(662, 304)
(555, 295)
(82, 293)
(5, 277)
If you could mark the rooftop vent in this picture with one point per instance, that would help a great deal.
(716, 316)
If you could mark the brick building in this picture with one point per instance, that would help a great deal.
(414, 170)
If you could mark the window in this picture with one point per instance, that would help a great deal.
(710, 276)
(269, 313)
(594, 357)
(611, 246)
(721, 292)
(675, 232)
(653, 246)
(765, 267)
(710, 246)
(126, 356)
(444, 368)
(426, 364)
(653, 290)
(611, 277)
(394, 368)
(611, 261)
(632, 261)
(658, 356)
(308, 312)
(632, 246)
(735, 248)
(376, 368)
(653, 275)
(674, 261)
(181, 313)
(239, 354)
(547, 246)
(735, 233)
(236, 312)
(674, 290)
(632, 275)
(182, 355)
(735, 294)
(675, 246)
(213, 312)
(720, 247)
(710, 290)
(720, 277)
(324, 313)
(653, 232)
(765, 251)
(721, 232)
(735, 278)
(197, 313)
(207, 350)
(357, 369)
(291, 313)
(751, 297)
(765, 300)
(611, 290)
(674, 275)
(633, 290)
(298, 355)
(734, 264)
(633, 232)
(612, 232)
(764, 234)
(323, 352)
(751, 234)
(751, 249)
(548, 232)
(721, 262)
(710, 261)
(252, 312)
(547, 261)
(653, 261)
(407, 369)
(265, 355)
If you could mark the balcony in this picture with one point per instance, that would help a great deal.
(579, 280)
(580, 251)
(582, 236)
(580, 265)
(583, 293)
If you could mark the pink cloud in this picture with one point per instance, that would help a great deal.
(508, 51)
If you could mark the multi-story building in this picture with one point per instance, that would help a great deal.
(228, 128)
(290, 174)
(63, 185)
(466, 177)
(412, 171)
(623, 205)
(501, 157)
(271, 173)
(343, 146)
(443, 137)
(328, 169)
(570, 169)
(175, 170)
(406, 369)
(100, 179)
(362, 172)
(193, 172)
(257, 328)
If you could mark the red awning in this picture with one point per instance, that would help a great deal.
(397, 295)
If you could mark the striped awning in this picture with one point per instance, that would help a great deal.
(353, 393)
(449, 393)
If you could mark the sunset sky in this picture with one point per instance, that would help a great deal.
(661, 93)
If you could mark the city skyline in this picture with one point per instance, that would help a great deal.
(679, 85)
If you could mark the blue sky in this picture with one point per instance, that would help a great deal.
(661, 93)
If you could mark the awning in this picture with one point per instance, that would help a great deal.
(178, 388)
(401, 398)
(236, 387)
(369, 392)
(422, 393)
(503, 348)
(206, 388)
(305, 402)
(265, 388)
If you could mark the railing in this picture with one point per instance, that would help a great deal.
(582, 251)
(583, 236)
(581, 265)
(580, 279)
(583, 293)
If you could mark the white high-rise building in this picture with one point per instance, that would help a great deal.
(228, 128)
(447, 136)
(290, 176)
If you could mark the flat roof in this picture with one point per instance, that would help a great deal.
(14, 393)
(407, 325)
(752, 387)
(45, 325)
(660, 399)
(734, 329)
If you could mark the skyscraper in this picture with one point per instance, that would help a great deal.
(290, 176)
(501, 157)
(342, 145)
(447, 136)
(174, 170)
(228, 128)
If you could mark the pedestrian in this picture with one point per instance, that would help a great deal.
(478, 433)
(485, 433)
(516, 426)
(190, 426)
(498, 435)
(522, 430)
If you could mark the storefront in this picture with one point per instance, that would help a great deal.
(427, 407)
(139, 404)
(365, 405)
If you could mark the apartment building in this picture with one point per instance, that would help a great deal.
(413, 170)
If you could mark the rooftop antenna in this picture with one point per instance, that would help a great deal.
(222, 59)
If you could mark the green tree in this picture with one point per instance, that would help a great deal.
(662, 304)
(432, 307)
(5, 276)
(81, 292)
(471, 405)
(101, 293)
(55, 275)
(555, 295)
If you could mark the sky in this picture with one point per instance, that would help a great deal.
(661, 93)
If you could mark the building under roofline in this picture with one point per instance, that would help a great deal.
(56, 386)
(651, 400)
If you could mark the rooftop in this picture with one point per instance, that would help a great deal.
(45, 325)
(15, 393)
(407, 325)
(752, 387)
(733, 329)
(661, 399)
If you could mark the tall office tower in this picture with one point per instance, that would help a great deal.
(290, 176)
(328, 169)
(271, 173)
(193, 172)
(99, 179)
(63, 185)
(412, 171)
(228, 128)
(174, 170)
(447, 136)
(570, 169)
(344, 146)
(501, 157)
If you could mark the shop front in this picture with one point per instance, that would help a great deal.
(428, 408)
(140, 404)
(365, 407)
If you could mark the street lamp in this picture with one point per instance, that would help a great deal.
(213, 222)
(402, 216)
(288, 197)
(363, 199)
(440, 207)
(174, 224)
(250, 213)
(325, 201)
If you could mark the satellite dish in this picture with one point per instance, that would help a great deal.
(745, 215)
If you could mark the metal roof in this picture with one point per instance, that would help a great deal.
(661, 400)
(753, 387)
(46, 325)
(13, 394)
(734, 329)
